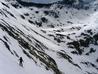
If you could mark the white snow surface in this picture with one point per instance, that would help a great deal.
(9, 64)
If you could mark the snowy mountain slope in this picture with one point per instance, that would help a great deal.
(15, 39)
(54, 40)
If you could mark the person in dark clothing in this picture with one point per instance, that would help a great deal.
(21, 61)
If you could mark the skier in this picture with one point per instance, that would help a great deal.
(21, 61)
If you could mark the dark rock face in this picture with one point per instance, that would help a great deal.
(43, 19)
(96, 38)
(76, 45)
(87, 38)
(70, 2)
(27, 4)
